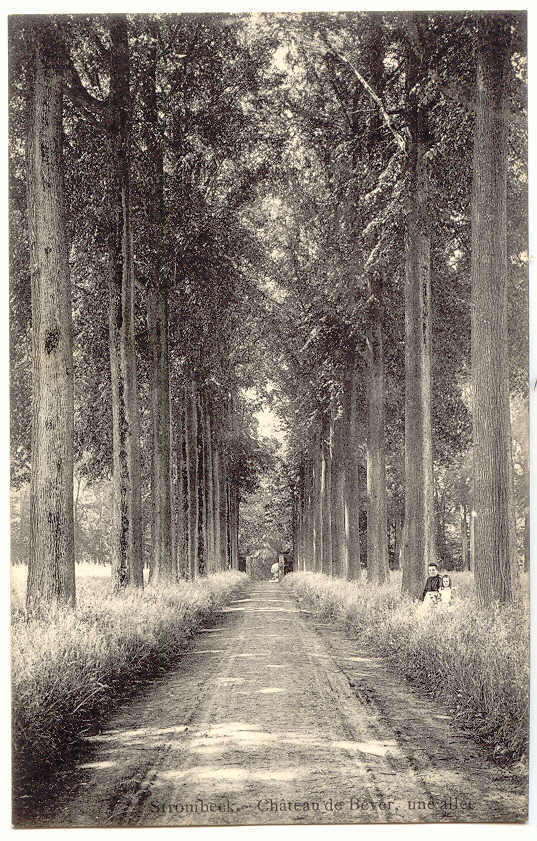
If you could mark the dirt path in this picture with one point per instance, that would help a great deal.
(272, 718)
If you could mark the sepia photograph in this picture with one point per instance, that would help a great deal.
(269, 418)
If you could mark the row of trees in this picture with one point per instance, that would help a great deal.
(139, 154)
(283, 200)
(401, 271)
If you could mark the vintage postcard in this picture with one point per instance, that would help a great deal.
(269, 418)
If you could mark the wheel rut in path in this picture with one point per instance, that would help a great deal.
(272, 718)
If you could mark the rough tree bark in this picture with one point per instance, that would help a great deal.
(155, 387)
(211, 566)
(173, 496)
(471, 556)
(76, 524)
(326, 496)
(398, 535)
(127, 560)
(217, 519)
(377, 539)
(464, 536)
(317, 504)
(191, 441)
(224, 512)
(51, 570)
(340, 547)
(181, 528)
(419, 499)
(202, 480)
(157, 315)
(303, 515)
(494, 560)
(440, 518)
(307, 532)
(309, 559)
(224, 536)
(233, 499)
(234, 526)
(352, 470)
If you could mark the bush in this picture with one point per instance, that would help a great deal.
(475, 660)
(68, 665)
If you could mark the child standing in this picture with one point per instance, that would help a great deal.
(445, 591)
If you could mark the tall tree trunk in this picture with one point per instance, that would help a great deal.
(471, 556)
(217, 481)
(295, 529)
(494, 562)
(232, 491)
(352, 471)
(157, 303)
(224, 512)
(299, 559)
(310, 560)
(162, 557)
(300, 563)
(317, 504)
(127, 560)
(398, 535)
(295, 520)
(464, 537)
(75, 509)
(51, 569)
(309, 524)
(441, 544)
(377, 538)
(191, 440)
(156, 466)
(100, 525)
(211, 566)
(204, 541)
(419, 499)
(173, 496)
(426, 398)
(402, 546)
(182, 552)
(340, 551)
(234, 524)
(326, 496)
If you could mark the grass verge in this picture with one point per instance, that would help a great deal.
(474, 660)
(70, 665)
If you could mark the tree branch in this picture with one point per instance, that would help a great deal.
(78, 93)
(79, 104)
(338, 95)
(401, 142)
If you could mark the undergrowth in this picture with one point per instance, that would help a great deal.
(69, 665)
(475, 660)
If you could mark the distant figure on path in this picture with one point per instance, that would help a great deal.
(432, 585)
(275, 569)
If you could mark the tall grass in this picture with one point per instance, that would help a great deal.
(475, 660)
(68, 665)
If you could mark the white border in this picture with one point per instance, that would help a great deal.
(299, 833)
